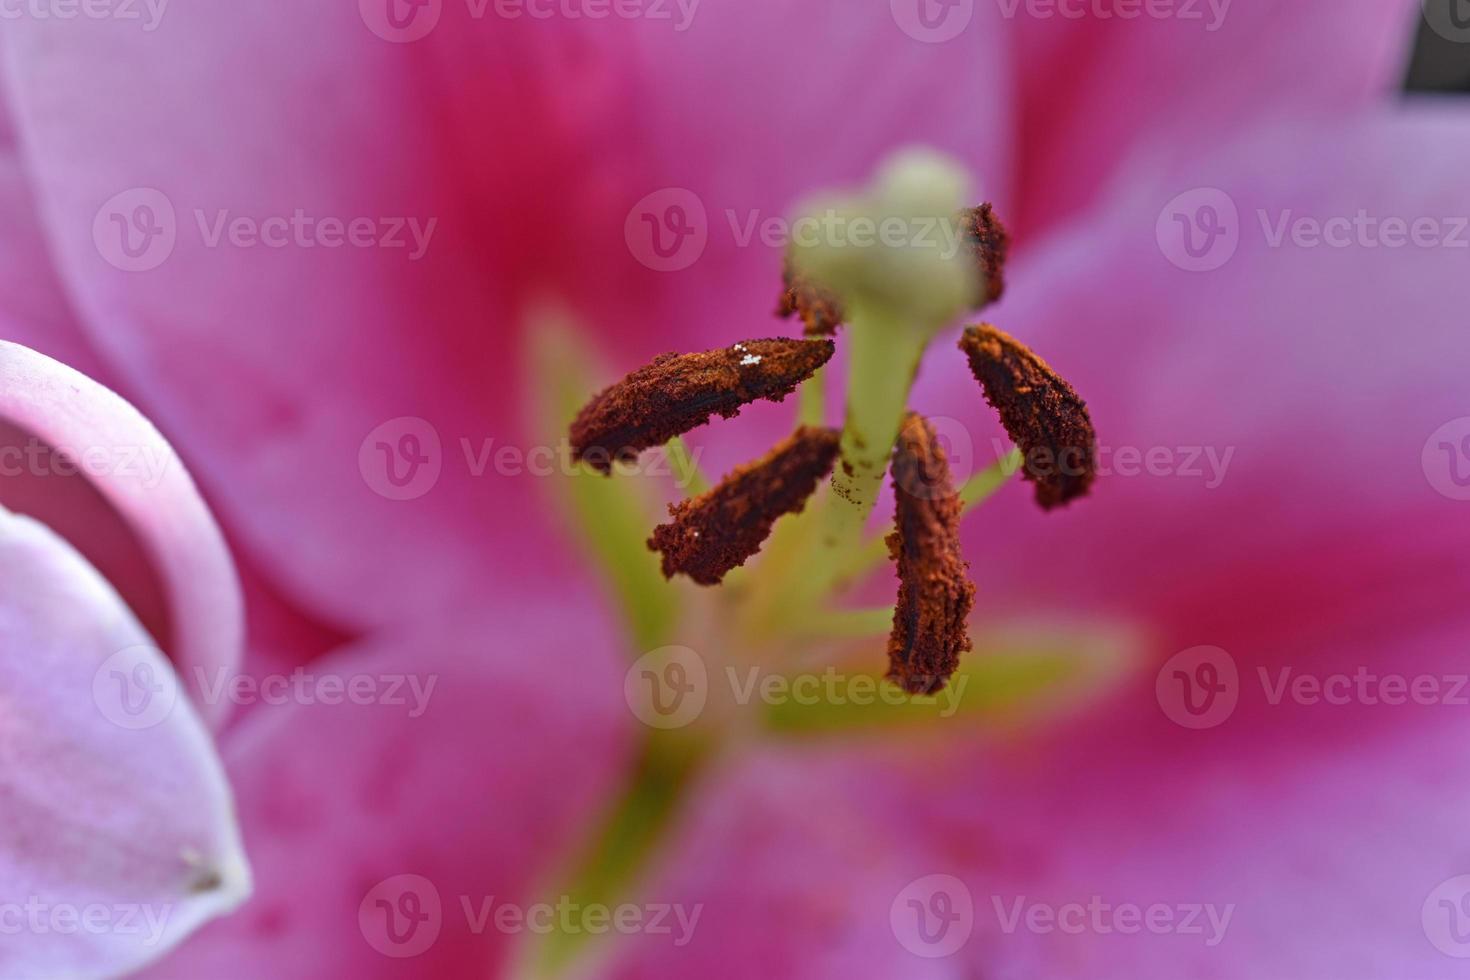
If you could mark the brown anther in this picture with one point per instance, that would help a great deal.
(1041, 412)
(679, 392)
(719, 530)
(991, 244)
(935, 595)
(820, 308)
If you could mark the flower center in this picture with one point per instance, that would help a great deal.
(756, 568)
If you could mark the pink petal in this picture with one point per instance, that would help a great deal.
(118, 838)
(139, 475)
(757, 106)
(531, 147)
(778, 872)
(286, 374)
(1328, 850)
(33, 305)
(1323, 371)
(1109, 89)
(481, 785)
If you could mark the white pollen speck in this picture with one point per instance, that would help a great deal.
(749, 359)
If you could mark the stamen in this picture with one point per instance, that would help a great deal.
(892, 251)
(934, 596)
(679, 392)
(1041, 412)
(820, 309)
(992, 244)
(720, 530)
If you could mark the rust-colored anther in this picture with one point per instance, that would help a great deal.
(1041, 412)
(991, 244)
(721, 529)
(935, 594)
(820, 308)
(679, 392)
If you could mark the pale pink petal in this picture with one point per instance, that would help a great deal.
(119, 837)
(139, 475)
(33, 307)
(1316, 376)
(291, 376)
(755, 107)
(1317, 836)
(1102, 84)
(1329, 835)
(777, 870)
(480, 785)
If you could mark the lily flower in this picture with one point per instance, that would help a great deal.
(1272, 487)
